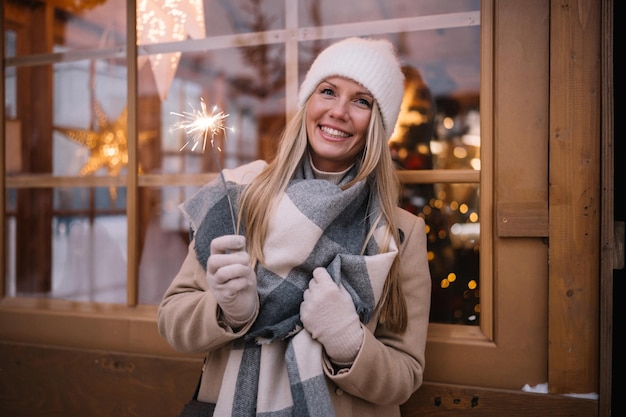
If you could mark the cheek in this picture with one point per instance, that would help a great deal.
(312, 113)
(310, 124)
(361, 124)
(360, 145)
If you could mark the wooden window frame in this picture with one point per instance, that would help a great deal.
(45, 314)
(132, 327)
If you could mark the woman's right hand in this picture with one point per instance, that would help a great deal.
(232, 279)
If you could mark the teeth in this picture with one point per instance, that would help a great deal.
(334, 132)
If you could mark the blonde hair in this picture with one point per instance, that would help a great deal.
(260, 197)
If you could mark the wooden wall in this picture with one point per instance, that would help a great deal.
(49, 381)
(40, 381)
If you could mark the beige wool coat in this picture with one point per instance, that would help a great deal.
(387, 370)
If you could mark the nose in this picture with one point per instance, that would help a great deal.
(339, 109)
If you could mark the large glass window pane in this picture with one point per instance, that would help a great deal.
(226, 17)
(89, 258)
(59, 246)
(333, 12)
(90, 119)
(67, 132)
(67, 121)
(164, 238)
(89, 24)
(453, 233)
(246, 85)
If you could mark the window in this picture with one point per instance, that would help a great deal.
(91, 210)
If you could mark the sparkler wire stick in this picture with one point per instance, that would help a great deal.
(219, 167)
(197, 124)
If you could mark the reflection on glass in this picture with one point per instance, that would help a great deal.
(410, 142)
(246, 84)
(226, 17)
(90, 119)
(80, 248)
(77, 24)
(88, 24)
(80, 234)
(87, 201)
(10, 76)
(89, 259)
(333, 12)
(164, 236)
(75, 126)
(443, 132)
(453, 233)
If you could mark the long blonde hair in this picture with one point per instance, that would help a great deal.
(260, 197)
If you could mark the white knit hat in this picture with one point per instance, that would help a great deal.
(370, 62)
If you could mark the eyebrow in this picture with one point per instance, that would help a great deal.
(363, 92)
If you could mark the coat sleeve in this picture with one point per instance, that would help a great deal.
(390, 366)
(188, 316)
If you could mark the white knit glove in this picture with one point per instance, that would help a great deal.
(328, 313)
(232, 280)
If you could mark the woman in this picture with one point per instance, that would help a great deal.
(318, 305)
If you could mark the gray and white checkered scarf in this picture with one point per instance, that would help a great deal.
(276, 368)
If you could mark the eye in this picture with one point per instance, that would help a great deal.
(364, 102)
(327, 91)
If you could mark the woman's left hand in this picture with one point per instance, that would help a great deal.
(328, 313)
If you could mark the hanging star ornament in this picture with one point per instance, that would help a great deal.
(108, 146)
(160, 21)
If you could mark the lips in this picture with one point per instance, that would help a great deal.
(334, 132)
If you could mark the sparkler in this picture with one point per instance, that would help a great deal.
(198, 125)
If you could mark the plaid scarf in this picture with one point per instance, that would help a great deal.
(276, 368)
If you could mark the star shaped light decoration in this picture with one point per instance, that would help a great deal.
(161, 21)
(107, 146)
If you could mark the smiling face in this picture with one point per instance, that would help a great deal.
(337, 118)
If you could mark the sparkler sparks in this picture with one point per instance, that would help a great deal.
(198, 125)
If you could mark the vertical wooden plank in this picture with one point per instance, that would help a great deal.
(3, 258)
(291, 57)
(487, 290)
(574, 196)
(607, 229)
(132, 192)
(520, 159)
(35, 107)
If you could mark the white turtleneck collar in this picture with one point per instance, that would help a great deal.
(334, 177)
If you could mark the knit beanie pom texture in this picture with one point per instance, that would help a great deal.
(370, 62)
